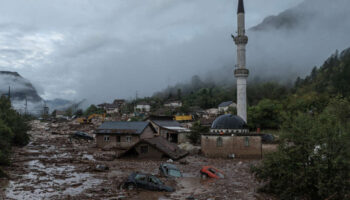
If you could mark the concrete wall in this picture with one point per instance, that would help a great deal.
(113, 143)
(147, 133)
(240, 146)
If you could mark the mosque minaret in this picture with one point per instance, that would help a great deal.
(241, 72)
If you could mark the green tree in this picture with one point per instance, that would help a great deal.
(13, 130)
(196, 131)
(313, 159)
(92, 109)
(267, 115)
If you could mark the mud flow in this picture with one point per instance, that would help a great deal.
(54, 166)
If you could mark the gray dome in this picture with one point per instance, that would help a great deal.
(229, 122)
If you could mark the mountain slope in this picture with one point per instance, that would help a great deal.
(20, 88)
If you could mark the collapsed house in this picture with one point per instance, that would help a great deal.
(170, 129)
(230, 137)
(122, 135)
(154, 148)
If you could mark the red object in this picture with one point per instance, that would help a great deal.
(212, 172)
(258, 130)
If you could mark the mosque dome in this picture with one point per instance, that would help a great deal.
(229, 122)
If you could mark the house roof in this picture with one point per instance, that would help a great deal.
(122, 128)
(171, 125)
(169, 149)
(167, 123)
(225, 104)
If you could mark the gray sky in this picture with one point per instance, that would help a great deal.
(106, 49)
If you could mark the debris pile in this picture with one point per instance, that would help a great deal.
(56, 166)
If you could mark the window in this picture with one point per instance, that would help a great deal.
(144, 149)
(106, 138)
(128, 138)
(219, 142)
(246, 141)
(118, 138)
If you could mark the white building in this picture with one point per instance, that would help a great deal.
(143, 107)
(173, 104)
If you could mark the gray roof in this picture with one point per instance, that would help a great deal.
(122, 127)
(225, 104)
(229, 122)
(167, 123)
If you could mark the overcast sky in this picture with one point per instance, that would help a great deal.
(106, 49)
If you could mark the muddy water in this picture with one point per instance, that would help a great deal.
(53, 167)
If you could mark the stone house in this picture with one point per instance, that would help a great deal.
(122, 135)
(154, 148)
(170, 129)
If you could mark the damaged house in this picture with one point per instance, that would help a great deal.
(170, 129)
(122, 135)
(154, 148)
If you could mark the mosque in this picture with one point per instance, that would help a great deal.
(229, 135)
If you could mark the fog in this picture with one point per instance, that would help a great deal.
(102, 51)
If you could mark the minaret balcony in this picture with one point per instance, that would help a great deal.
(241, 39)
(241, 72)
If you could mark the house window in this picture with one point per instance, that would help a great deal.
(128, 138)
(219, 142)
(118, 138)
(106, 138)
(144, 149)
(246, 141)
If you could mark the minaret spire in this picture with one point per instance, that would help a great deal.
(241, 72)
(240, 6)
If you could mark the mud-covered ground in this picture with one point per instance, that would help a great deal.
(53, 166)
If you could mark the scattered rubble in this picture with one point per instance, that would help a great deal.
(193, 150)
(54, 167)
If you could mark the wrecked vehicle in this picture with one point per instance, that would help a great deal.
(169, 170)
(211, 172)
(145, 181)
(82, 135)
(101, 168)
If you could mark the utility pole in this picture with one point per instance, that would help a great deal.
(26, 107)
(9, 93)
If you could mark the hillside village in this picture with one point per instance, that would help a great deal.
(255, 139)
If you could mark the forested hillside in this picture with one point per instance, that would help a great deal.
(314, 149)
